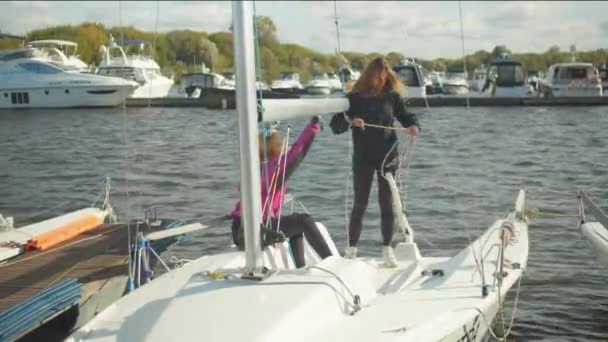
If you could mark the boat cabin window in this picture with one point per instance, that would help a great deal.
(603, 74)
(288, 76)
(39, 68)
(509, 75)
(575, 73)
(408, 75)
(123, 72)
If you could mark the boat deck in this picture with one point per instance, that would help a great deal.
(97, 259)
(97, 254)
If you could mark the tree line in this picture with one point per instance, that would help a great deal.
(183, 51)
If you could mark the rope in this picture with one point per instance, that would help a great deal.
(154, 50)
(464, 60)
(284, 153)
(337, 26)
(126, 141)
(266, 129)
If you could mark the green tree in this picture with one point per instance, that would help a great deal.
(208, 52)
(394, 57)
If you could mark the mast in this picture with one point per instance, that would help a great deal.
(246, 104)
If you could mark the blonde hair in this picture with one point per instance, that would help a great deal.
(378, 77)
(274, 145)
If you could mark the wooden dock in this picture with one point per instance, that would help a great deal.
(97, 258)
(433, 101)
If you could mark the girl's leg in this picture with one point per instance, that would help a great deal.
(387, 216)
(296, 226)
(363, 176)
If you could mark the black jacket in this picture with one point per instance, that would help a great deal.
(371, 144)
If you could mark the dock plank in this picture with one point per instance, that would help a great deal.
(97, 254)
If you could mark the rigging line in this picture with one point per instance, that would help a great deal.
(154, 51)
(265, 127)
(464, 60)
(337, 26)
(426, 101)
(126, 142)
(285, 145)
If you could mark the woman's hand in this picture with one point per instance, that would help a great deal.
(358, 122)
(412, 130)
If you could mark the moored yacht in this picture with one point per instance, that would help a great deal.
(29, 81)
(139, 68)
(506, 78)
(289, 82)
(456, 83)
(319, 85)
(411, 75)
(571, 79)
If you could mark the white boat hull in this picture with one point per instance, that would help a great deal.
(64, 97)
(318, 90)
(407, 303)
(455, 89)
(597, 235)
(154, 89)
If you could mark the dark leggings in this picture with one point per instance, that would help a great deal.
(295, 227)
(363, 176)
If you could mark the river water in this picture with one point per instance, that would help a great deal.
(466, 169)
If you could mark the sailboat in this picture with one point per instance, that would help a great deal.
(594, 231)
(257, 295)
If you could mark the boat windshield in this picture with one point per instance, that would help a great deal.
(288, 76)
(40, 68)
(123, 72)
(408, 75)
(229, 76)
(576, 73)
(508, 75)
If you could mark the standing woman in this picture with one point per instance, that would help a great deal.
(375, 99)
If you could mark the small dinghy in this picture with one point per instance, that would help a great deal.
(595, 232)
(258, 295)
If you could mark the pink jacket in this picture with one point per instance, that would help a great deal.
(295, 155)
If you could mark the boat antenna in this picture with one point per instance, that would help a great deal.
(464, 59)
(339, 48)
(337, 25)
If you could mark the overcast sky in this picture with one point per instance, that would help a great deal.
(419, 29)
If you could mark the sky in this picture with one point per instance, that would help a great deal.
(422, 29)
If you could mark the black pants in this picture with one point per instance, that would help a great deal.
(363, 176)
(295, 227)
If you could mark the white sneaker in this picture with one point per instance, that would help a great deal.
(389, 257)
(350, 252)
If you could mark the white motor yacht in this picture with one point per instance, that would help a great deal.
(571, 79)
(319, 85)
(411, 75)
(289, 82)
(192, 84)
(61, 52)
(456, 83)
(139, 68)
(506, 78)
(30, 81)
